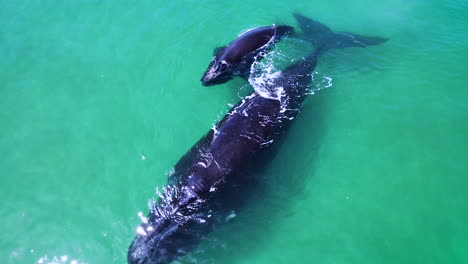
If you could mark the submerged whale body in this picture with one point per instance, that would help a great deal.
(207, 183)
(236, 58)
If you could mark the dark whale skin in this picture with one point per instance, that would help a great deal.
(237, 58)
(210, 180)
(207, 181)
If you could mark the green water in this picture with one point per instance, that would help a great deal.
(99, 99)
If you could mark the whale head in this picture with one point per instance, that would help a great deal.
(219, 71)
(173, 228)
(158, 242)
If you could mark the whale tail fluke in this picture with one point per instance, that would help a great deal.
(324, 39)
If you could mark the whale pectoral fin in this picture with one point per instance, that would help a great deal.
(218, 51)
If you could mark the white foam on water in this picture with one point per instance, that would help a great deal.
(263, 76)
(141, 231)
(165, 206)
(142, 218)
(319, 82)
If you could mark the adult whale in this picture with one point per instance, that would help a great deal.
(207, 182)
(236, 58)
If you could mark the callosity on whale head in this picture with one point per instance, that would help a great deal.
(150, 245)
(218, 72)
(174, 227)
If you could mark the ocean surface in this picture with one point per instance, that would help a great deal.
(99, 99)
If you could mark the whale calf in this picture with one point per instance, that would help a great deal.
(207, 183)
(236, 58)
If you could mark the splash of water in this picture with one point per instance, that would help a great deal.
(167, 206)
(263, 76)
(320, 81)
